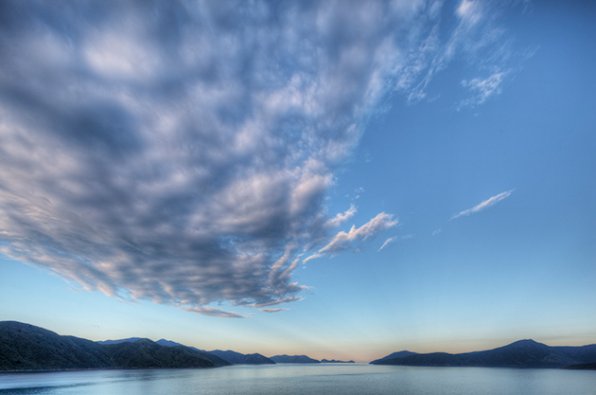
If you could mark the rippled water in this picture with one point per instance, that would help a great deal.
(305, 379)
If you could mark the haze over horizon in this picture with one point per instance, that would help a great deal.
(336, 179)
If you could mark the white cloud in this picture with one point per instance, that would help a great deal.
(483, 88)
(491, 201)
(342, 217)
(345, 240)
(477, 40)
(469, 11)
(387, 241)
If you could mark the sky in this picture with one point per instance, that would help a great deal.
(338, 179)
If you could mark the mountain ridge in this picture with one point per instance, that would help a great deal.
(525, 353)
(283, 358)
(236, 358)
(27, 347)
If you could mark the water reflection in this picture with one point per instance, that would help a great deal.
(304, 379)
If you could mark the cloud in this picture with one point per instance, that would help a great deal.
(483, 88)
(491, 201)
(345, 240)
(342, 217)
(287, 299)
(477, 40)
(181, 152)
(277, 310)
(213, 312)
(469, 11)
(387, 241)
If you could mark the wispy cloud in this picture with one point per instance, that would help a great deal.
(213, 312)
(477, 39)
(387, 241)
(470, 11)
(483, 88)
(491, 201)
(345, 240)
(276, 310)
(342, 217)
(287, 299)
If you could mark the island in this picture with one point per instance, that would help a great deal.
(335, 361)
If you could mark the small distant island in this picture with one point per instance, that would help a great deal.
(303, 359)
(25, 347)
(335, 361)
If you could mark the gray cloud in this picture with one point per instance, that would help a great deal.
(213, 312)
(180, 152)
(276, 310)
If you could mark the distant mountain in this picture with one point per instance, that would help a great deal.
(218, 361)
(27, 347)
(118, 341)
(170, 343)
(522, 354)
(148, 354)
(293, 359)
(395, 355)
(335, 361)
(236, 358)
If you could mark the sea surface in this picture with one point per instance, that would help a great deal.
(292, 379)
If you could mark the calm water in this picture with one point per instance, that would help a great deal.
(305, 379)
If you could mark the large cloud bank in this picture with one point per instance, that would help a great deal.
(180, 152)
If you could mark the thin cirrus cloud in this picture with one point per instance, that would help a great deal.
(477, 38)
(274, 310)
(181, 152)
(346, 240)
(491, 201)
(387, 242)
(342, 217)
(483, 88)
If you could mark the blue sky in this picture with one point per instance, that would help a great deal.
(337, 181)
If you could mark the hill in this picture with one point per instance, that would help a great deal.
(523, 353)
(294, 359)
(236, 358)
(27, 347)
(207, 355)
